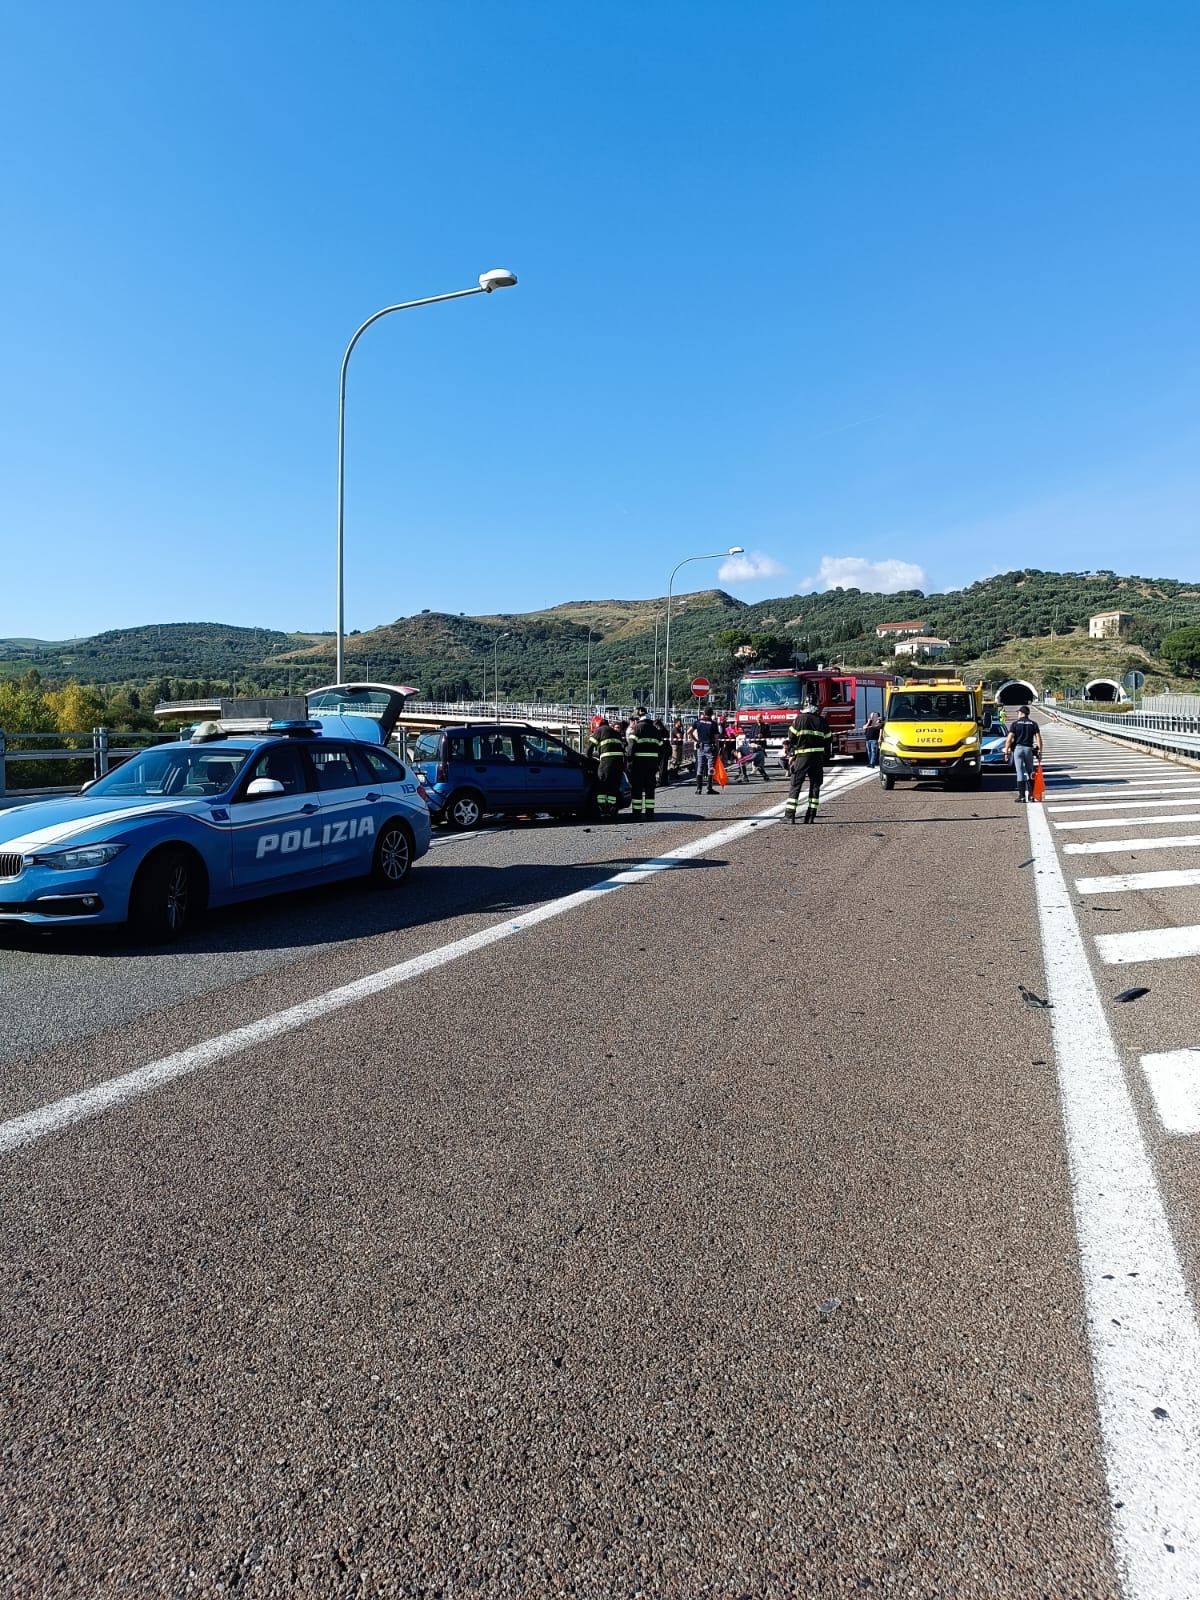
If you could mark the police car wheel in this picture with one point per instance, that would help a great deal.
(464, 811)
(165, 894)
(393, 855)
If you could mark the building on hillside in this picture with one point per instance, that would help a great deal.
(896, 630)
(1108, 624)
(923, 645)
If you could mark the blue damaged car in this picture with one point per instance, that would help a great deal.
(212, 820)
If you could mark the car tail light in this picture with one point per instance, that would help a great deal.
(443, 772)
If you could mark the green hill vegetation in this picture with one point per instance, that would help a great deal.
(1025, 623)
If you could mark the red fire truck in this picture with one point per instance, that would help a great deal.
(776, 695)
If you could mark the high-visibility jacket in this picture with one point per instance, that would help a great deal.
(809, 736)
(646, 743)
(606, 743)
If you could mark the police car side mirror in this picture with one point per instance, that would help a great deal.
(264, 789)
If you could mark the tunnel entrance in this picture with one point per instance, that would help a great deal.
(1103, 689)
(1016, 692)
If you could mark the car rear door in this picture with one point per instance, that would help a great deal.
(498, 768)
(276, 838)
(348, 820)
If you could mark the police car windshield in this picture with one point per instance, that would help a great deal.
(174, 770)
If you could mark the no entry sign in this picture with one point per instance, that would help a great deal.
(700, 687)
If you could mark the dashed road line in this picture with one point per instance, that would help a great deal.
(1173, 1077)
(1139, 882)
(1141, 1321)
(1100, 847)
(1148, 944)
(1072, 808)
(1132, 822)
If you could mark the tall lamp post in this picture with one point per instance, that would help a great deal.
(716, 555)
(498, 278)
(496, 671)
(589, 672)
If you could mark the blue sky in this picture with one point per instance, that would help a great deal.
(863, 288)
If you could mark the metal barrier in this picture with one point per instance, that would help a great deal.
(98, 753)
(1174, 734)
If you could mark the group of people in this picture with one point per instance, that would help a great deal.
(652, 756)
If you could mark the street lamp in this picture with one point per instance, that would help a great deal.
(589, 671)
(498, 278)
(716, 555)
(496, 670)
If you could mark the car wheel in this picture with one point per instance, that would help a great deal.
(886, 781)
(166, 894)
(393, 856)
(464, 811)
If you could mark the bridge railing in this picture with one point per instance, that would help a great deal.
(1175, 730)
(90, 756)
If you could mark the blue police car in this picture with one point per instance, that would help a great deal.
(209, 821)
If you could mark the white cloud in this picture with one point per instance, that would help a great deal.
(875, 577)
(752, 567)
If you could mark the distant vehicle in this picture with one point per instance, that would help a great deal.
(209, 821)
(504, 768)
(776, 696)
(931, 730)
(991, 746)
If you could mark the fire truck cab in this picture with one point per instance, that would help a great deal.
(773, 697)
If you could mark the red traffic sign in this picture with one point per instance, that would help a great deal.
(700, 687)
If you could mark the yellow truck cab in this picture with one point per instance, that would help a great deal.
(931, 732)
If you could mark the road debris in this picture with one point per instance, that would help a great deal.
(828, 1307)
(1136, 993)
(1032, 999)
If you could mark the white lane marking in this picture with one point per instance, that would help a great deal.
(1136, 882)
(1167, 791)
(59, 1114)
(1148, 944)
(1132, 822)
(1074, 807)
(1174, 1080)
(1141, 1320)
(1101, 847)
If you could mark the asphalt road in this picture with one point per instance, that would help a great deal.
(712, 1233)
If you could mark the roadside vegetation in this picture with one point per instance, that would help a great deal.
(1025, 623)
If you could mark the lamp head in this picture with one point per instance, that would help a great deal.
(737, 550)
(497, 278)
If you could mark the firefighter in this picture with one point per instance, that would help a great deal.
(645, 752)
(809, 746)
(606, 748)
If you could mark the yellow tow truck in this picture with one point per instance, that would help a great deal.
(931, 732)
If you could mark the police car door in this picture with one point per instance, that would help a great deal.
(276, 836)
(348, 806)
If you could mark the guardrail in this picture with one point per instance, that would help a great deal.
(1175, 734)
(95, 756)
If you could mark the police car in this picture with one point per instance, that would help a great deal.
(211, 820)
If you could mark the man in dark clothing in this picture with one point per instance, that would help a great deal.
(1023, 747)
(608, 749)
(664, 759)
(809, 746)
(706, 736)
(645, 752)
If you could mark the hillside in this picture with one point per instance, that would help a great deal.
(1025, 622)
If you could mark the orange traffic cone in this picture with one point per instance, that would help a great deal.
(1039, 784)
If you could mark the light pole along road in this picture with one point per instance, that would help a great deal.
(715, 555)
(497, 278)
(496, 670)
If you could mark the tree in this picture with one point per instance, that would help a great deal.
(1182, 649)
